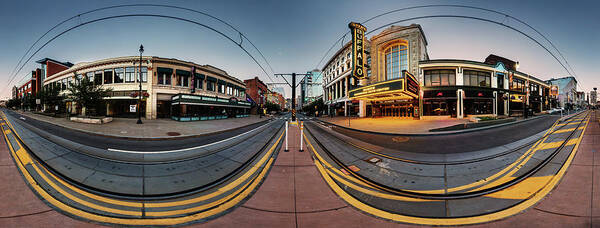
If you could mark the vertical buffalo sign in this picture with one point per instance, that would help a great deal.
(358, 49)
(193, 81)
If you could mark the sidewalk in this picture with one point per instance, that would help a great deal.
(20, 206)
(158, 128)
(394, 125)
(295, 195)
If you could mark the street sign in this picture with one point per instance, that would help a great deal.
(358, 49)
(38, 101)
(132, 108)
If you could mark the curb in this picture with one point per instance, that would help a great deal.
(148, 138)
(445, 132)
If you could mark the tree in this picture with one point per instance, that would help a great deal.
(88, 95)
(13, 103)
(51, 97)
(272, 107)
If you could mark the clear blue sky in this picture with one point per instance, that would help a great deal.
(294, 35)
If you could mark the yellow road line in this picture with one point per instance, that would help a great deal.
(451, 221)
(157, 221)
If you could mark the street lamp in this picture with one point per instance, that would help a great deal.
(140, 93)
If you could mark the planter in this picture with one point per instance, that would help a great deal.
(91, 120)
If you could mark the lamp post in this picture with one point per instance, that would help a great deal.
(140, 93)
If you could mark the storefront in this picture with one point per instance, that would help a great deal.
(439, 102)
(393, 98)
(186, 107)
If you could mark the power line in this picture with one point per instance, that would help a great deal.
(469, 7)
(146, 15)
(13, 73)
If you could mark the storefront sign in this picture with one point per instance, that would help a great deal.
(193, 81)
(132, 108)
(358, 49)
(516, 98)
(412, 85)
(553, 90)
(395, 85)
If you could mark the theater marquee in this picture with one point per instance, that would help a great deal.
(358, 49)
(406, 87)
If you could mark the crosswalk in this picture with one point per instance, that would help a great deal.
(298, 118)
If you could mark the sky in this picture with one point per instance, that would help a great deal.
(295, 35)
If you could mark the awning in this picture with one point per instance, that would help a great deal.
(221, 82)
(230, 85)
(182, 73)
(198, 75)
(211, 79)
(161, 70)
(406, 87)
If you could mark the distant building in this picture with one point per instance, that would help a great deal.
(257, 90)
(593, 97)
(567, 90)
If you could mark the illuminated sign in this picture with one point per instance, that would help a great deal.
(358, 49)
(412, 85)
(391, 86)
(193, 82)
(554, 90)
(516, 98)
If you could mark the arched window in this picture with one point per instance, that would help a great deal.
(396, 60)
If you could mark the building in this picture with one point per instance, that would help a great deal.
(15, 92)
(257, 91)
(171, 88)
(567, 89)
(311, 87)
(403, 82)
(593, 97)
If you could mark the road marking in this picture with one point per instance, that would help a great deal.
(185, 149)
(453, 221)
(154, 221)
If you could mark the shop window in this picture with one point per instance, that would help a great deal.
(108, 76)
(129, 74)
(440, 77)
(164, 79)
(396, 60)
(477, 78)
(98, 78)
(119, 75)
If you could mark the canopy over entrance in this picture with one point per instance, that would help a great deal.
(403, 88)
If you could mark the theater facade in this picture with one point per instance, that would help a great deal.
(403, 82)
(171, 88)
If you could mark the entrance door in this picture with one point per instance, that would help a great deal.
(500, 104)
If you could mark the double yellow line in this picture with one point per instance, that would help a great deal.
(22, 158)
(533, 196)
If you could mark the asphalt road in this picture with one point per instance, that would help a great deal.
(130, 144)
(457, 143)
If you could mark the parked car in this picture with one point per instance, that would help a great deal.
(556, 111)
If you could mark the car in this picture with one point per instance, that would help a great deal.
(556, 111)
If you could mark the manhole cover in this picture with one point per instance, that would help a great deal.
(173, 133)
(400, 139)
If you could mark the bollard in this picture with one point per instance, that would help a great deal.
(301, 138)
(286, 136)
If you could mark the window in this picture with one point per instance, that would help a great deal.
(108, 76)
(79, 77)
(518, 84)
(119, 75)
(98, 78)
(440, 77)
(144, 74)
(199, 83)
(210, 86)
(396, 60)
(107, 79)
(90, 76)
(477, 78)
(164, 78)
(221, 88)
(129, 71)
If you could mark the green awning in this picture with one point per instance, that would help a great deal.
(182, 72)
(231, 85)
(161, 70)
(198, 75)
(211, 79)
(221, 82)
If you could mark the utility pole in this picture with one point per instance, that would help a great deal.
(293, 85)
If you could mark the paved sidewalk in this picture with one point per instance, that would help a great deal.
(394, 125)
(575, 202)
(158, 128)
(20, 207)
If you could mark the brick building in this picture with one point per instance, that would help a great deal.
(257, 91)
